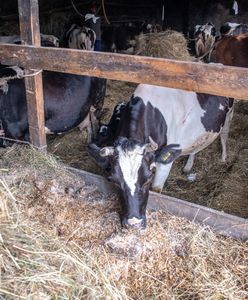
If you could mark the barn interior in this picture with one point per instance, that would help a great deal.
(216, 185)
(62, 239)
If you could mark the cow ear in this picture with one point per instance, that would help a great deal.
(168, 154)
(152, 146)
(107, 151)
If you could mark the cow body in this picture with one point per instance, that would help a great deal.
(67, 99)
(158, 125)
(232, 51)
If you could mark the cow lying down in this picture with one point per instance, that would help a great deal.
(157, 126)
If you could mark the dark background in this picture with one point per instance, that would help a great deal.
(180, 15)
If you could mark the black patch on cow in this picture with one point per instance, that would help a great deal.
(7, 72)
(214, 116)
(139, 121)
(134, 100)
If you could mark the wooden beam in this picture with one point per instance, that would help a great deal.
(30, 34)
(205, 78)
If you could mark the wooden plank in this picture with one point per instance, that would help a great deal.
(220, 222)
(30, 34)
(206, 78)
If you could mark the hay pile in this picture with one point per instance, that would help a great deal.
(61, 239)
(167, 44)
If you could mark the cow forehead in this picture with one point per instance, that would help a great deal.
(130, 161)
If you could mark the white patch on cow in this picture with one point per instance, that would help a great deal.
(103, 128)
(130, 162)
(221, 107)
(232, 25)
(48, 131)
(180, 109)
(182, 113)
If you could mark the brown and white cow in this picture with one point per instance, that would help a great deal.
(158, 125)
(232, 51)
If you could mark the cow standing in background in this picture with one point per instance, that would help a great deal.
(158, 125)
(233, 29)
(122, 38)
(204, 37)
(232, 51)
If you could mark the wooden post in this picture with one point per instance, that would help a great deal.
(30, 34)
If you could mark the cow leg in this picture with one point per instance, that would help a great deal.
(189, 163)
(161, 174)
(224, 134)
(90, 123)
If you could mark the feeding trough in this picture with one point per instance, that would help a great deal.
(220, 222)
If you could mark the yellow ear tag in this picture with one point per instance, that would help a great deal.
(165, 156)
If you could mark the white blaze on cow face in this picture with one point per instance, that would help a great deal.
(130, 162)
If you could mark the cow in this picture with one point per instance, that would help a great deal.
(78, 37)
(233, 29)
(122, 38)
(204, 37)
(106, 132)
(68, 101)
(157, 126)
(47, 40)
(232, 51)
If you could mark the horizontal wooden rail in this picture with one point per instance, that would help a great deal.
(212, 78)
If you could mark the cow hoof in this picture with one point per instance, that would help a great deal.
(186, 171)
(157, 190)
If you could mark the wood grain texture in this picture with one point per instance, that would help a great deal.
(205, 78)
(30, 34)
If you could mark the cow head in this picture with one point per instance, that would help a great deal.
(131, 164)
(204, 36)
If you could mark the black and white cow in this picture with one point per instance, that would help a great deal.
(106, 132)
(158, 125)
(121, 38)
(233, 29)
(204, 37)
(68, 100)
(47, 40)
(78, 37)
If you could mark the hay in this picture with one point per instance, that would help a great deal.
(167, 44)
(56, 244)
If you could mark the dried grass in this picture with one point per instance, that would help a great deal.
(166, 44)
(60, 243)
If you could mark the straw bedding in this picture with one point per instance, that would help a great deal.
(61, 239)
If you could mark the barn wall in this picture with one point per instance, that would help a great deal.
(181, 15)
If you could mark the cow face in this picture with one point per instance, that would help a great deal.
(131, 165)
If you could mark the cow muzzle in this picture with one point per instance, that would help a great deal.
(134, 223)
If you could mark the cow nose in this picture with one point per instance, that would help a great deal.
(135, 222)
